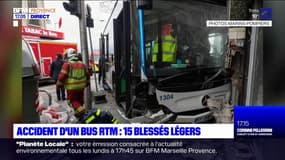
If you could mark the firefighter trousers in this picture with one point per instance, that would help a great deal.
(75, 98)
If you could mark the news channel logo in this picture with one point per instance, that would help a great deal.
(265, 13)
(261, 14)
(32, 13)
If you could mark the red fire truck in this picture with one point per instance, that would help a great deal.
(45, 44)
(45, 52)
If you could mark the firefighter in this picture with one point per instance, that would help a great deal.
(74, 77)
(168, 43)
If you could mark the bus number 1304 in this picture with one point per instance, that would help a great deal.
(166, 97)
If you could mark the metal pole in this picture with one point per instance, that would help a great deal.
(91, 47)
(103, 58)
(252, 62)
(84, 51)
(107, 47)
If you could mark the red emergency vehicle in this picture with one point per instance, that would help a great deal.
(45, 52)
(45, 44)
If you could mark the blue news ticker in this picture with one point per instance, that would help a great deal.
(260, 118)
(109, 131)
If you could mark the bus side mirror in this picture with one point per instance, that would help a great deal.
(144, 4)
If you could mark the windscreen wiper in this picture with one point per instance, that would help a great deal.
(213, 77)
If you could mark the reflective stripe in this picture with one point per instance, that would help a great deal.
(78, 82)
(72, 80)
(63, 72)
(98, 112)
(79, 110)
(115, 122)
(73, 62)
(75, 85)
(90, 119)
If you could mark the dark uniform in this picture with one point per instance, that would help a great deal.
(54, 71)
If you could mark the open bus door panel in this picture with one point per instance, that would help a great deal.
(120, 76)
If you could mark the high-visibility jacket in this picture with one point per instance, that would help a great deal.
(168, 49)
(95, 68)
(74, 75)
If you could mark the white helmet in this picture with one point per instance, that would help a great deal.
(70, 54)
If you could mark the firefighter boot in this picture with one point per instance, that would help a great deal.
(79, 112)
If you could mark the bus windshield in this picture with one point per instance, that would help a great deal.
(177, 38)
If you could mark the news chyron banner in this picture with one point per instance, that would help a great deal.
(124, 131)
(254, 129)
(248, 122)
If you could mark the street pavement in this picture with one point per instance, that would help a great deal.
(109, 106)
